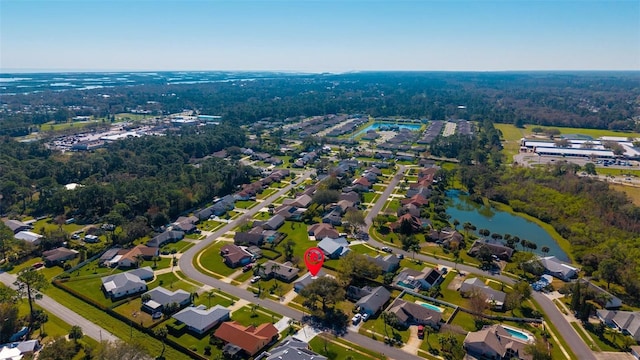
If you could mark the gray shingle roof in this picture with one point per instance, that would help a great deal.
(200, 319)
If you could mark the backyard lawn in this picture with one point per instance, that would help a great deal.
(90, 288)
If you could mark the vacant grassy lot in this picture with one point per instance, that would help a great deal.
(90, 288)
(338, 349)
(253, 315)
(632, 192)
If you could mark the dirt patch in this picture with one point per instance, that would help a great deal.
(455, 283)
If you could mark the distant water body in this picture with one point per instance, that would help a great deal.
(501, 222)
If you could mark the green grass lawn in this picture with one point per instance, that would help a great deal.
(391, 206)
(132, 310)
(90, 288)
(181, 246)
(218, 298)
(114, 326)
(273, 287)
(172, 282)
(297, 232)
(46, 225)
(377, 326)
(163, 263)
(196, 344)
(370, 197)
(432, 341)
(48, 272)
(210, 259)
(246, 316)
(262, 215)
(210, 225)
(265, 194)
(633, 172)
(335, 349)
(246, 204)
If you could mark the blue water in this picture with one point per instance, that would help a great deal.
(432, 307)
(517, 334)
(485, 217)
(401, 283)
(378, 125)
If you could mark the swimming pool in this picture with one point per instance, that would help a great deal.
(430, 306)
(517, 334)
(377, 125)
(405, 285)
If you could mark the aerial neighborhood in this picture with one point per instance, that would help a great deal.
(431, 248)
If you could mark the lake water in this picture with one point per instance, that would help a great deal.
(485, 217)
(377, 125)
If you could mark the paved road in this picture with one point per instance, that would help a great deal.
(67, 315)
(186, 265)
(575, 342)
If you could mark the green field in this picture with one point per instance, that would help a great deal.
(211, 260)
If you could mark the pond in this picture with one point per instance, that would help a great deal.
(486, 217)
(383, 125)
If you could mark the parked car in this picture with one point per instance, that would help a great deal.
(255, 279)
(247, 267)
(38, 265)
(420, 331)
(156, 315)
(356, 319)
(386, 249)
(365, 317)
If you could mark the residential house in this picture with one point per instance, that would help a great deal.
(129, 257)
(414, 224)
(334, 217)
(186, 224)
(558, 269)
(388, 263)
(290, 349)
(127, 283)
(495, 342)
(361, 184)
(16, 226)
(29, 237)
(274, 222)
(334, 248)
(243, 340)
(161, 297)
(419, 280)
(58, 255)
(290, 212)
(344, 205)
(612, 302)
(350, 196)
(306, 279)
(322, 230)
(235, 256)
(493, 297)
(410, 209)
(219, 207)
(422, 190)
(417, 200)
(495, 247)
(627, 322)
(447, 237)
(302, 201)
(371, 300)
(248, 238)
(199, 320)
(285, 272)
(19, 350)
(169, 236)
(410, 313)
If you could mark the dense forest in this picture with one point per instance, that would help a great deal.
(158, 177)
(594, 100)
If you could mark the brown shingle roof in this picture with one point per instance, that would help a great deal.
(250, 339)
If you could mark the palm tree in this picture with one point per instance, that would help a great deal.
(275, 267)
(193, 296)
(258, 269)
(75, 333)
(155, 260)
(210, 294)
(456, 222)
(545, 249)
(414, 248)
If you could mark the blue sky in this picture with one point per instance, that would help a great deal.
(330, 35)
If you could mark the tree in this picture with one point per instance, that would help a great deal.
(9, 316)
(590, 168)
(121, 350)
(355, 218)
(390, 319)
(545, 249)
(354, 265)
(161, 332)
(326, 197)
(325, 289)
(76, 333)
(477, 303)
(414, 248)
(539, 350)
(408, 241)
(6, 237)
(608, 270)
(58, 349)
(289, 245)
(29, 282)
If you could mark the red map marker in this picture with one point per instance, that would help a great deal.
(313, 258)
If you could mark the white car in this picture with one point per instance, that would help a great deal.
(255, 279)
(365, 317)
(356, 319)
